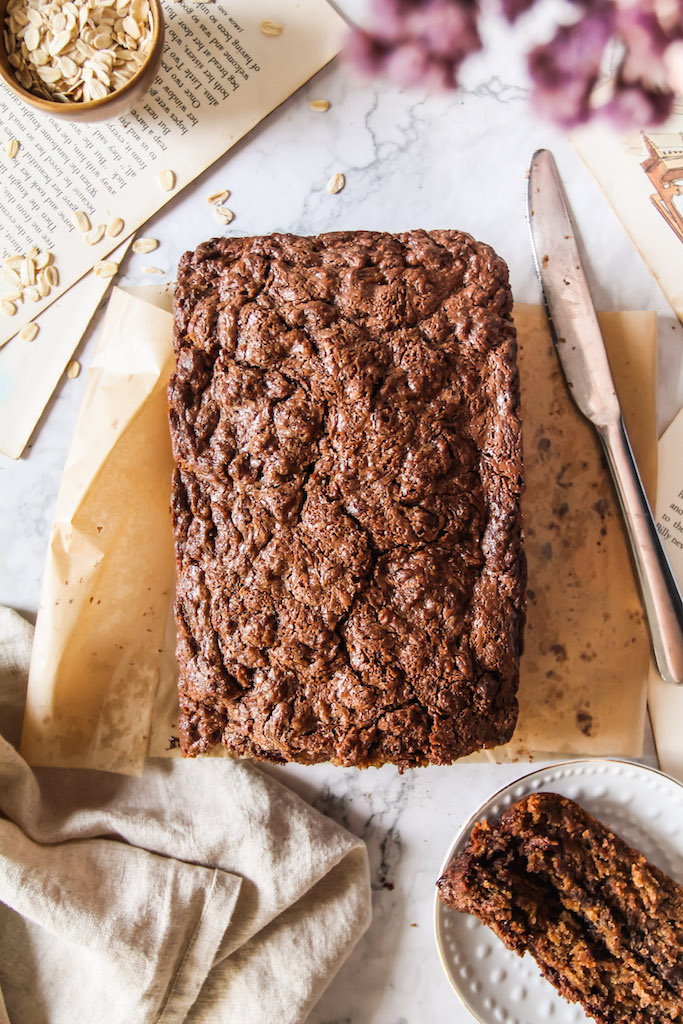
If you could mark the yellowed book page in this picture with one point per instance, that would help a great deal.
(665, 700)
(30, 370)
(641, 174)
(220, 76)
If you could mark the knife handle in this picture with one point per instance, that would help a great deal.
(661, 596)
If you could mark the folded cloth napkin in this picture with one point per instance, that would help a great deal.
(202, 891)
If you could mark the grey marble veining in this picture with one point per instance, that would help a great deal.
(410, 160)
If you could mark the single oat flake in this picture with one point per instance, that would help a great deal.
(143, 245)
(29, 331)
(95, 235)
(27, 271)
(8, 308)
(12, 148)
(336, 184)
(217, 198)
(166, 180)
(73, 369)
(115, 227)
(320, 105)
(222, 215)
(81, 220)
(271, 28)
(10, 276)
(105, 269)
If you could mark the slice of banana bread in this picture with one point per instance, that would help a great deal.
(604, 925)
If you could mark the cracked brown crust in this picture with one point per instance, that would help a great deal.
(345, 422)
(604, 925)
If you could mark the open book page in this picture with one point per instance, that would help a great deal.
(30, 371)
(641, 174)
(220, 76)
(666, 701)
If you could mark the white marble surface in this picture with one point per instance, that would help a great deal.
(410, 160)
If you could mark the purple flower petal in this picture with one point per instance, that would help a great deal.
(565, 70)
(417, 42)
(424, 42)
(633, 105)
(513, 9)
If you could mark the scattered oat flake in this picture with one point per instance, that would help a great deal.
(29, 331)
(42, 259)
(143, 245)
(105, 269)
(52, 275)
(95, 235)
(270, 28)
(12, 148)
(222, 215)
(33, 294)
(81, 220)
(320, 105)
(14, 295)
(27, 271)
(336, 184)
(115, 227)
(152, 270)
(11, 277)
(73, 369)
(217, 198)
(8, 308)
(166, 180)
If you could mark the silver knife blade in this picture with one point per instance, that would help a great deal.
(573, 323)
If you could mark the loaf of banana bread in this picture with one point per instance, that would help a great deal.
(604, 925)
(345, 423)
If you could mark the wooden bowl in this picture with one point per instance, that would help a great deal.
(116, 103)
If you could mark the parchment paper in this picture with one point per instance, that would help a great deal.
(109, 572)
(584, 668)
(103, 637)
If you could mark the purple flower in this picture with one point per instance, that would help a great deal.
(424, 42)
(417, 42)
(513, 9)
(635, 104)
(565, 70)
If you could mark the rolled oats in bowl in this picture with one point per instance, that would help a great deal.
(72, 51)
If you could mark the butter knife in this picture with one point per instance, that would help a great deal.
(581, 351)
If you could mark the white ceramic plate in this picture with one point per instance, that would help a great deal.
(642, 805)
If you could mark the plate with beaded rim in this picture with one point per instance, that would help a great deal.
(642, 805)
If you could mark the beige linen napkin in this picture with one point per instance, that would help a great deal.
(202, 891)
